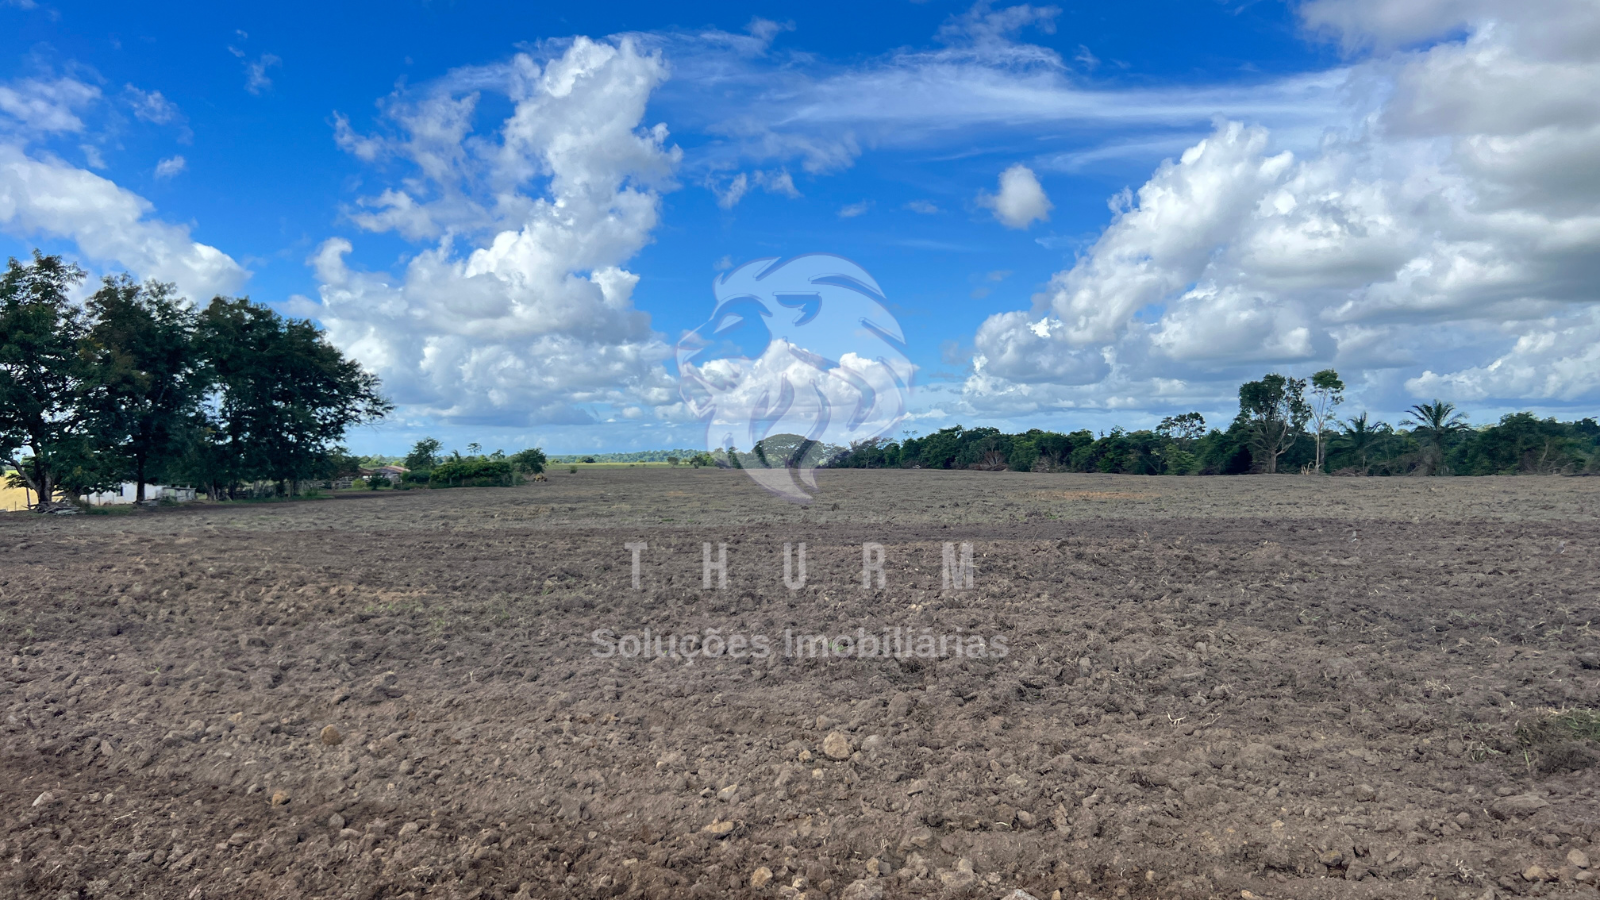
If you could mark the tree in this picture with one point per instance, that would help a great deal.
(424, 455)
(144, 378)
(282, 394)
(42, 373)
(1358, 438)
(1275, 411)
(531, 460)
(1436, 423)
(1183, 429)
(1327, 392)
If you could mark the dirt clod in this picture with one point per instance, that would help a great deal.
(1517, 806)
(330, 736)
(836, 745)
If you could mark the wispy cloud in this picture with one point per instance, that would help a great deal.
(255, 70)
(984, 84)
(171, 166)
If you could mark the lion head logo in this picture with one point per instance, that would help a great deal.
(799, 355)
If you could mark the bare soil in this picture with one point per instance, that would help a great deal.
(1287, 687)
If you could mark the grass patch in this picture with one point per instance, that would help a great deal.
(1561, 725)
(1561, 740)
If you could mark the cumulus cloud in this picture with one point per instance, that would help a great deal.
(1451, 229)
(520, 311)
(1021, 200)
(42, 195)
(109, 223)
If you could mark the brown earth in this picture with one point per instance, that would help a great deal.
(1283, 687)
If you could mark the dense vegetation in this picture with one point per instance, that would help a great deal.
(424, 465)
(139, 385)
(1275, 431)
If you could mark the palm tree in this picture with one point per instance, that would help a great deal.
(1436, 422)
(1358, 437)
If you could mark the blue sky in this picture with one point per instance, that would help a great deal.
(1081, 215)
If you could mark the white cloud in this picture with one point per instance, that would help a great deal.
(1557, 360)
(45, 196)
(1021, 200)
(850, 211)
(729, 196)
(256, 80)
(923, 207)
(171, 166)
(1453, 229)
(730, 190)
(47, 107)
(521, 312)
(764, 30)
(151, 106)
(985, 83)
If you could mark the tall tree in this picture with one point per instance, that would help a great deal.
(424, 455)
(1437, 422)
(144, 380)
(1275, 411)
(1183, 429)
(41, 373)
(1327, 392)
(283, 396)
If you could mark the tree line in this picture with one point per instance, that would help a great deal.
(137, 384)
(1284, 424)
(427, 465)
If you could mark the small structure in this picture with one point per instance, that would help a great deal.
(129, 491)
(393, 473)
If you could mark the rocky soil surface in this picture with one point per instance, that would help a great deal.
(1282, 687)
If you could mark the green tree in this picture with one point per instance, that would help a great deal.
(1327, 392)
(1437, 423)
(1358, 439)
(531, 460)
(42, 374)
(283, 396)
(1522, 443)
(144, 379)
(1275, 411)
(1183, 429)
(424, 455)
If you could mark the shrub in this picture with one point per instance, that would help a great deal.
(472, 471)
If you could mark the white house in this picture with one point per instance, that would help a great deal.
(129, 490)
